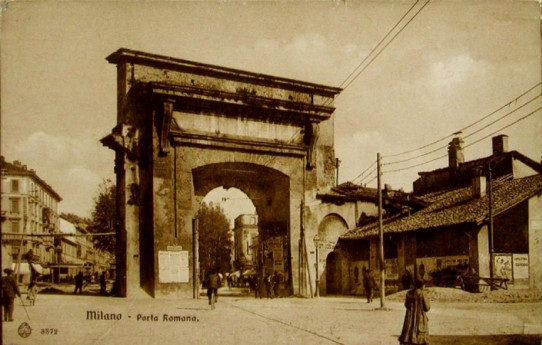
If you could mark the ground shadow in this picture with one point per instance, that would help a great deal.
(501, 339)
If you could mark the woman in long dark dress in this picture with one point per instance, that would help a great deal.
(415, 327)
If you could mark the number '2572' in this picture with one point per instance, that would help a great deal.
(49, 331)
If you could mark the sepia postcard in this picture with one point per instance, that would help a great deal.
(271, 172)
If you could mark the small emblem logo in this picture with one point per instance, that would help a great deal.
(25, 330)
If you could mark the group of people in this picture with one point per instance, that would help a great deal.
(80, 279)
(272, 284)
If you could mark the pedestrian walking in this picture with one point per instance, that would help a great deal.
(102, 283)
(213, 283)
(276, 282)
(415, 326)
(78, 283)
(369, 284)
(256, 281)
(32, 291)
(268, 285)
(9, 291)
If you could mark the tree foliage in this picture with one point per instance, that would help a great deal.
(75, 219)
(215, 242)
(104, 216)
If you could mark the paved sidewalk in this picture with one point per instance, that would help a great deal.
(75, 319)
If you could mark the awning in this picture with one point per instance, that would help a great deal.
(24, 268)
(250, 272)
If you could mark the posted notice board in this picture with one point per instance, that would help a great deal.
(173, 266)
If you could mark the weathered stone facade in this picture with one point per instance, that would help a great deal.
(185, 128)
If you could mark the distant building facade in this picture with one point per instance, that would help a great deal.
(245, 230)
(77, 253)
(33, 238)
(29, 206)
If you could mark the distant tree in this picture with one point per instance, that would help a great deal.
(104, 216)
(75, 219)
(215, 242)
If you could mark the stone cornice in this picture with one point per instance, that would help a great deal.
(124, 55)
(236, 104)
(226, 143)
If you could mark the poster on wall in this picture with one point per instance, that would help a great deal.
(173, 266)
(521, 266)
(502, 266)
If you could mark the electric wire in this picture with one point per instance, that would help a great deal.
(379, 43)
(364, 171)
(467, 136)
(466, 127)
(500, 129)
(385, 46)
(477, 141)
(502, 117)
(370, 174)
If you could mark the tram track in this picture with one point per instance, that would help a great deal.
(299, 328)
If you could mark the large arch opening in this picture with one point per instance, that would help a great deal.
(239, 268)
(267, 189)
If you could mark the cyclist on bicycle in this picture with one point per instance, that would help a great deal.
(213, 282)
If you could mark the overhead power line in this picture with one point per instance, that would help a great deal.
(500, 129)
(502, 117)
(468, 126)
(387, 44)
(474, 142)
(469, 135)
(379, 43)
(364, 171)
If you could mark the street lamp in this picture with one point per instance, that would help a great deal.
(316, 244)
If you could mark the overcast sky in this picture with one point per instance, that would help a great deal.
(456, 62)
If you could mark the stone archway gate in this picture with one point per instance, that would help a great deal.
(184, 128)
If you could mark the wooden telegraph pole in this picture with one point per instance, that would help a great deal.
(381, 232)
(490, 211)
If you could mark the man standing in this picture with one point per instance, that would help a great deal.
(9, 291)
(78, 283)
(369, 284)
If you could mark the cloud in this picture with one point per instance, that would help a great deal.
(83, 161)
(305, 56)
(455, 71)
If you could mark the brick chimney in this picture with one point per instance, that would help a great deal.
(479, 182)
(500, 144)
(455, 152)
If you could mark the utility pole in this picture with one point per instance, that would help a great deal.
(381, 232)
(195, 258)
(337, 164)
(490, 206)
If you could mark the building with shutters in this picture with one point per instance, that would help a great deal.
(29, 206)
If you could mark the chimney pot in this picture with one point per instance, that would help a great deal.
(455, 152)
(478, 186)
(500, 144)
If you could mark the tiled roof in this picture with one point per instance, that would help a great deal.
(349, 191)
(458, 206)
